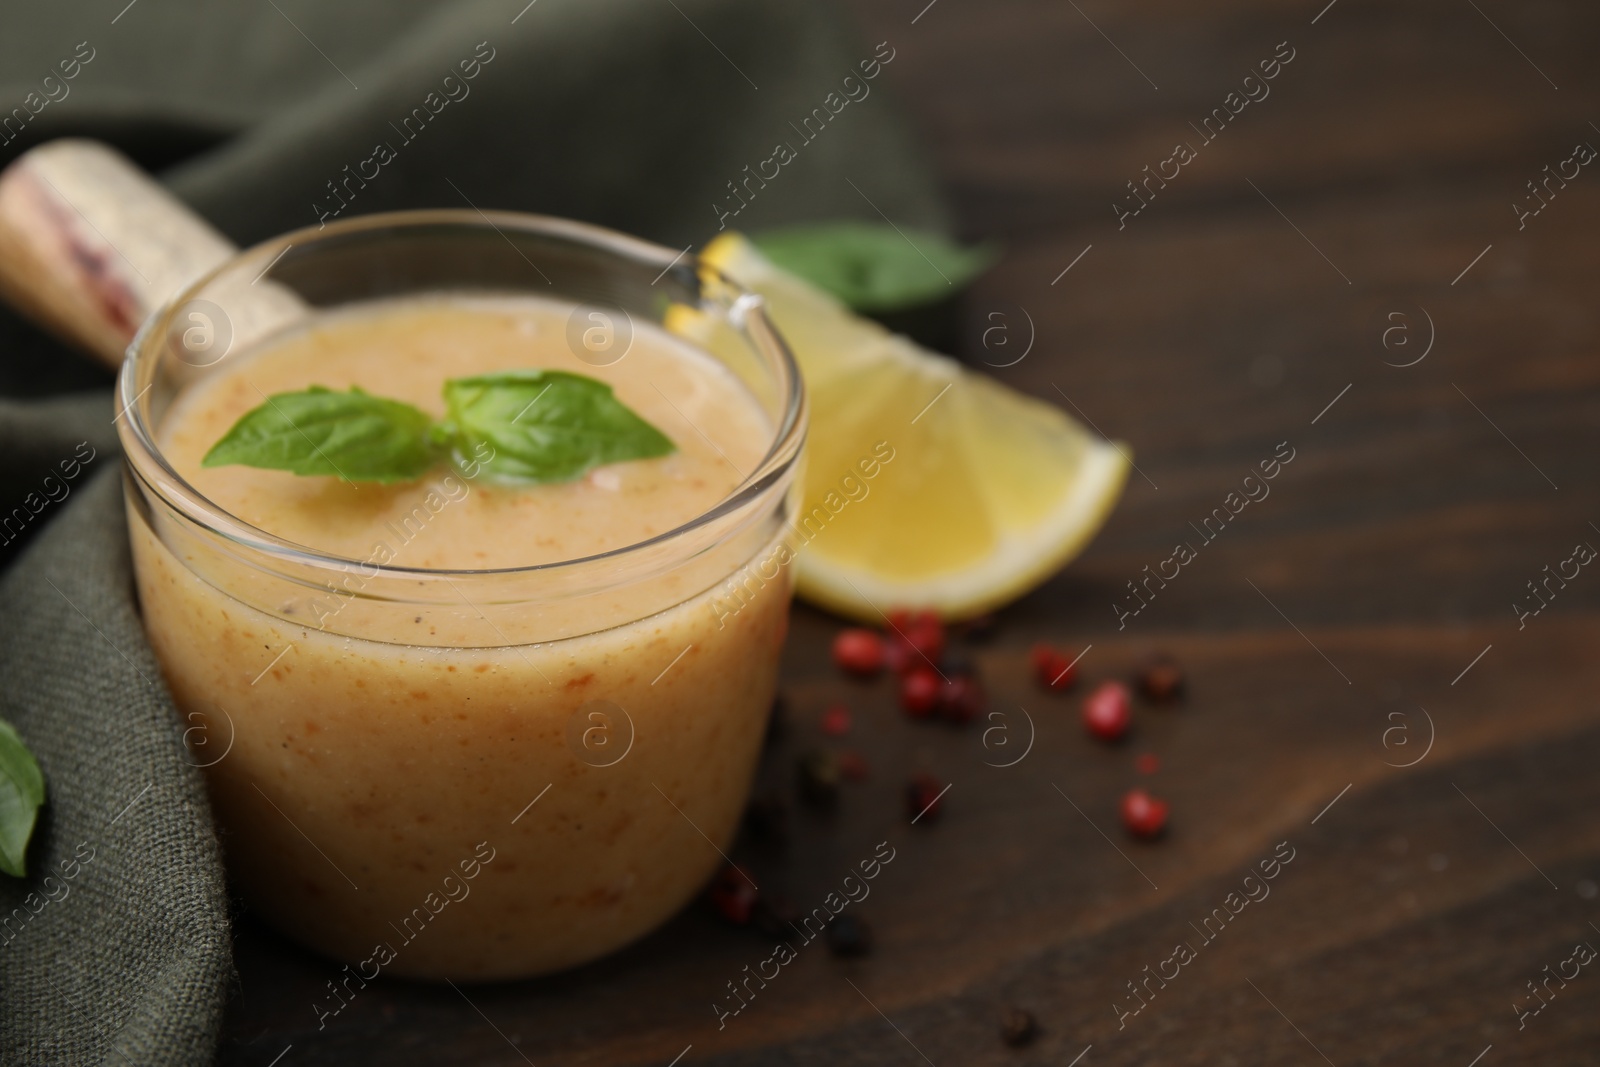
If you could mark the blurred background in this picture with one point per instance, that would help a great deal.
(1379, 256)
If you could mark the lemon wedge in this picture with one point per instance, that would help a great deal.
(926, 485)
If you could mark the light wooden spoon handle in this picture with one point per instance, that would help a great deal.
(90, 245)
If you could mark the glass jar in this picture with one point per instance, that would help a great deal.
(467, 774)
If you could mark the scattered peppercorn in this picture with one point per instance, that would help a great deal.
(734, 895)
(836, 721)
(849, 936)
(853, 766)
(1147, 763)
(900, 656)
(859, 652)
(1106, 712)
(1161, 679)
(927, 635)
(919, 692)
(961, 699)
(917, 640)
(924, 797)
(1052, 668)
(817, 776)
(1144, 815)
(1018, 1028)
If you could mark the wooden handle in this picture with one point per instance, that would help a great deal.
(90, 245)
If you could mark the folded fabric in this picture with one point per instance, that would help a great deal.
(665, 118)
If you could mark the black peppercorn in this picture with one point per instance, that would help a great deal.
(1161, 679)
(849, 936)
(1018, 1027)
(766, 820)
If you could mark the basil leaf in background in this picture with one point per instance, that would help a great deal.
(355, 436)
(545, 426)
(21, 793)
(875, 268)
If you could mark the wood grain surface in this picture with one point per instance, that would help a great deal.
(1359, 617)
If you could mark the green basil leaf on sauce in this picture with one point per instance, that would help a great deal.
(354, 436)
(545, 426)
(875, 267)
(21, 794)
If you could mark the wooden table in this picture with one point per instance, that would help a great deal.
(1357, 219)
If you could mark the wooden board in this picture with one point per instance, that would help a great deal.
(1372, 591)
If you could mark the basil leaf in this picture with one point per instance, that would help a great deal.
(354, 436)
(545, 426)
(875, 268)
(21, 793)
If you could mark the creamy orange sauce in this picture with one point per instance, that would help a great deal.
(364, 767)
(405, 352)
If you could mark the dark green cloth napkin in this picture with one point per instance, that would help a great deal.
(637, 114)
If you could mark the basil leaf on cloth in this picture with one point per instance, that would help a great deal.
(546, 426)
(355, 436)
(21, 794)
(875, 267)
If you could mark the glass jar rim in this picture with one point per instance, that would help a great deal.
(145, 457)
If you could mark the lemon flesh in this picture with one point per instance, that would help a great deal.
(926, 485)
